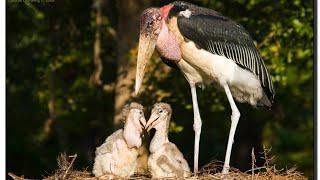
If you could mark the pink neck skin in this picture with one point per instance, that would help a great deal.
(167, 44)
(165, 11)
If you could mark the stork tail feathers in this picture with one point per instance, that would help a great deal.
(264, 102)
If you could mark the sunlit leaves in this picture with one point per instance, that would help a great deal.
(175, 128)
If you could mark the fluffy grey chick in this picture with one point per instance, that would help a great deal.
(165, 159)
(119, 153)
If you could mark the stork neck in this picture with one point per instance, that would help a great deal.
(159, 138)
(167, 44)
(164, 32)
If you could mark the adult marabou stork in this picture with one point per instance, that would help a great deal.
(208, 48)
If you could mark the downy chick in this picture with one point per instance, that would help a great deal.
(165, 159)
(119, 153)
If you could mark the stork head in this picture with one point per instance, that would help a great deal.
(150, 27)
(160, 117)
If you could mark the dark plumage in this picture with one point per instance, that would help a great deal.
(169, 63)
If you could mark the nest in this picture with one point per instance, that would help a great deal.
(210, 171)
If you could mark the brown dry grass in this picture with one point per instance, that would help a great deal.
(210, 171)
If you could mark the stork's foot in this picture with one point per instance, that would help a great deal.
(225, 169)
(197, 129)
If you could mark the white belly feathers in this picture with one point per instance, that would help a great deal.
(244, 85)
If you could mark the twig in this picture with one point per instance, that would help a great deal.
(15, 177)
(70, 165)
(266, 157)
(253, 159)
(263, 167)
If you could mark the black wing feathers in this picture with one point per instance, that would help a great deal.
(169, 63)
(220, 35)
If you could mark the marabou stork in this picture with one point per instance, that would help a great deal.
(165, 158)
(208, 48)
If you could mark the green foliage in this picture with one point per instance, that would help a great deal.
(58, 37)
(175, 128)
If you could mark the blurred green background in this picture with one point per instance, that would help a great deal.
(70, 68)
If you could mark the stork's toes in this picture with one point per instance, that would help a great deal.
(225, 169)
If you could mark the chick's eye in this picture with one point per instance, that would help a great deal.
(140, 113)
(160, 111)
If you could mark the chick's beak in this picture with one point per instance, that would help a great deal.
(152, 121)
(143, 122)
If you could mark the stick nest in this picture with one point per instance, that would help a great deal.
(210, 171)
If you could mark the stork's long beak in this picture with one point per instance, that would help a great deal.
(147, 45)
(152, 121)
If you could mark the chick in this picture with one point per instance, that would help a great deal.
(118, 155)
(165, 159)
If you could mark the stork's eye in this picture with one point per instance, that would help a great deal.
(160, 110)
(149, 24)
(140, 112)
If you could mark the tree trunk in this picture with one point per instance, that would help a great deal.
(127, 36)
(95, 77)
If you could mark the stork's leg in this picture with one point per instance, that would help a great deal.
(234, 121)
(196, 126)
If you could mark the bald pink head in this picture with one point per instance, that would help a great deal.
(153, 31)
